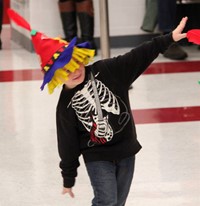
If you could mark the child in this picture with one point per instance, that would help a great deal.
(93, 116)
(94, 119)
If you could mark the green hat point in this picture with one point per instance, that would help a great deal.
(33, 32)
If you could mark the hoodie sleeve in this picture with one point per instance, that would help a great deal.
(68, 147)
(128, 67)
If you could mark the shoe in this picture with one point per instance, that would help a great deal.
(175, 52)
(146, 29)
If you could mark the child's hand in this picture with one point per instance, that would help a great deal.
(69, 191)
(177, 33)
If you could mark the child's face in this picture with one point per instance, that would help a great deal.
(75, 78)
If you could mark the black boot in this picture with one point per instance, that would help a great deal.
(85, 14)
(68, 17)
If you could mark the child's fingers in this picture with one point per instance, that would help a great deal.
(182, 24)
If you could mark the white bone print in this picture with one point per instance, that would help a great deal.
(83, 103)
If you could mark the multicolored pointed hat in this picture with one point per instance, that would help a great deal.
(55, 54)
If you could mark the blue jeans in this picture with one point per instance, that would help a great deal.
(111, 181)
(166, 15)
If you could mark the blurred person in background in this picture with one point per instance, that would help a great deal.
(164, 14)
(167, 13)
(83, 11)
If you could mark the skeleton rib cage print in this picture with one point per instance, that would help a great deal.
(83, 102)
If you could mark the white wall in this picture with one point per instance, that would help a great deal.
(125, 16)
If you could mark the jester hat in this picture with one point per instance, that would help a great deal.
(55, 54)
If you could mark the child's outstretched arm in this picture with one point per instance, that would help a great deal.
(177, 33)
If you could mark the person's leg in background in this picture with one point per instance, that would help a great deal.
(166, 15)
(191, 9)
(150, 19)
(67, 10)
(85, 12)
(111, 181)
(1, 20)
(166, 23)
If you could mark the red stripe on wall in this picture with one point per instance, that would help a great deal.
(164, 115)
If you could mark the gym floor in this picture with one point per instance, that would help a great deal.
(166, 107)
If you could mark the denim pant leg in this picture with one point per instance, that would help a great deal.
(166, 15)
(125, 170)
(110, 181)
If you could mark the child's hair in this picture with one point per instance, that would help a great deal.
(79, 55)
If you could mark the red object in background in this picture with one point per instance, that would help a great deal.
(6, 5)
(193, 36)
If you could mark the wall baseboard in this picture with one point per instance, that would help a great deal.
(115, 41)
(128, 40)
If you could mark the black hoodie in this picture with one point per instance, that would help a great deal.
(111, 137)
